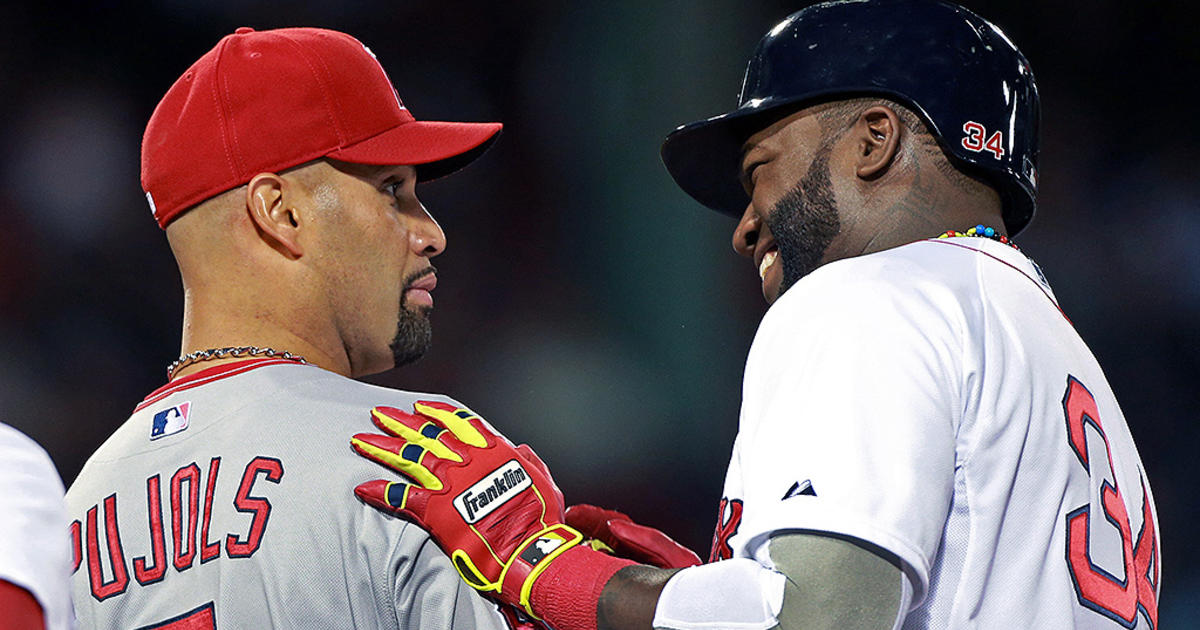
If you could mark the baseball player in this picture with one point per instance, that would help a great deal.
(924, 441)
(34, 560)
(282, 167)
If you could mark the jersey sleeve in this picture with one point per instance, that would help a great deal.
(34, 550)
(851, 404)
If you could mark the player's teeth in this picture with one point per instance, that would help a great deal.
(766, 263)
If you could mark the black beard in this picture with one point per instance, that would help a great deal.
(414, 333)
(805, 221)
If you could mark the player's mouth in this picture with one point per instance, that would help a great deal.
(770, 268)
(766, 258)
(417, 291)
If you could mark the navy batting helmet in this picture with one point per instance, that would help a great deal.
(959, 72)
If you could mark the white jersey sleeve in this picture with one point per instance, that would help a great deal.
(850, 407)
(33, 526)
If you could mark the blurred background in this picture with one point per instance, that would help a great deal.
(585, 304)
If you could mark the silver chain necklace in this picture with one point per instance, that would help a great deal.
(231, 351)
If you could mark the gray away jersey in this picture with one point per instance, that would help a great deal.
(226, 501)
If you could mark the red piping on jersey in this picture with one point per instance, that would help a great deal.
(208, 375)
(1010, 266)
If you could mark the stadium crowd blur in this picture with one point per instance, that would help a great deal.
(585, 304)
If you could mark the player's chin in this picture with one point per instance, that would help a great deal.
(403, 355)
(414, 335)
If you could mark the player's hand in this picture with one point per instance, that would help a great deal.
(491, 506)
(628, 539)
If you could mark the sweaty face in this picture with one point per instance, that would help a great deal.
(374, 248)
(793, 216)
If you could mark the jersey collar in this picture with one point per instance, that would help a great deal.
(209, 375)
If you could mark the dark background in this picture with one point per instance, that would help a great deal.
(585, 304)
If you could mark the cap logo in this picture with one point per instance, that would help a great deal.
(150, 200)
(385, 76)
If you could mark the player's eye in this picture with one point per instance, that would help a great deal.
(748, 175)
(394, 188)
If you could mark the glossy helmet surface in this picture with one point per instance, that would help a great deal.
(959, 72)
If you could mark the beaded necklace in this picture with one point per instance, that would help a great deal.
(982, 231)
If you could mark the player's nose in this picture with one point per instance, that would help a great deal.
(425, 236)
(745, 235)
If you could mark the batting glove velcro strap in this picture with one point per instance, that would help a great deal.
(490, 505)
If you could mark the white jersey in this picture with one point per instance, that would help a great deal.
(934, 400)
(33, 550)
(226, 500)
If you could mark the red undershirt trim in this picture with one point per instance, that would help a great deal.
(1011, 266)
(209, 375)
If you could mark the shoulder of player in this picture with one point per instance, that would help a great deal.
(31, 488)
(909, 267)
(314, 405)
(291, 388)
(886, 283)
(333, 406)
(23, 461)
(367, 395)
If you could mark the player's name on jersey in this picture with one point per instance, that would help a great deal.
(186, 515)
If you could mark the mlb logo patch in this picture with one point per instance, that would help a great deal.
(542, 547)
(170, 421)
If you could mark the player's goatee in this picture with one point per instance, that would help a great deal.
(414, 333)
(805, 221)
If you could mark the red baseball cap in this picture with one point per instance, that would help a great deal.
(265, 101)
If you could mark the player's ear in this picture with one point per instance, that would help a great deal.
(877, 140)
(268, 202)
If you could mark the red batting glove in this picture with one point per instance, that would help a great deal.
(628, 539)
(491, 506)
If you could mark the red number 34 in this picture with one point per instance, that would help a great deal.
(1098, 590)
(973, 141)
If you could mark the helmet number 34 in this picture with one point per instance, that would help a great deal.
(973, 141)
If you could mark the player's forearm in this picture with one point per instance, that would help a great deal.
(630, 597)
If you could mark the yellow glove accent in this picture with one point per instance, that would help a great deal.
(414, 469)
(566, 538)
(415, 437)
(458, 424)
(598, 545)
(569, 537)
